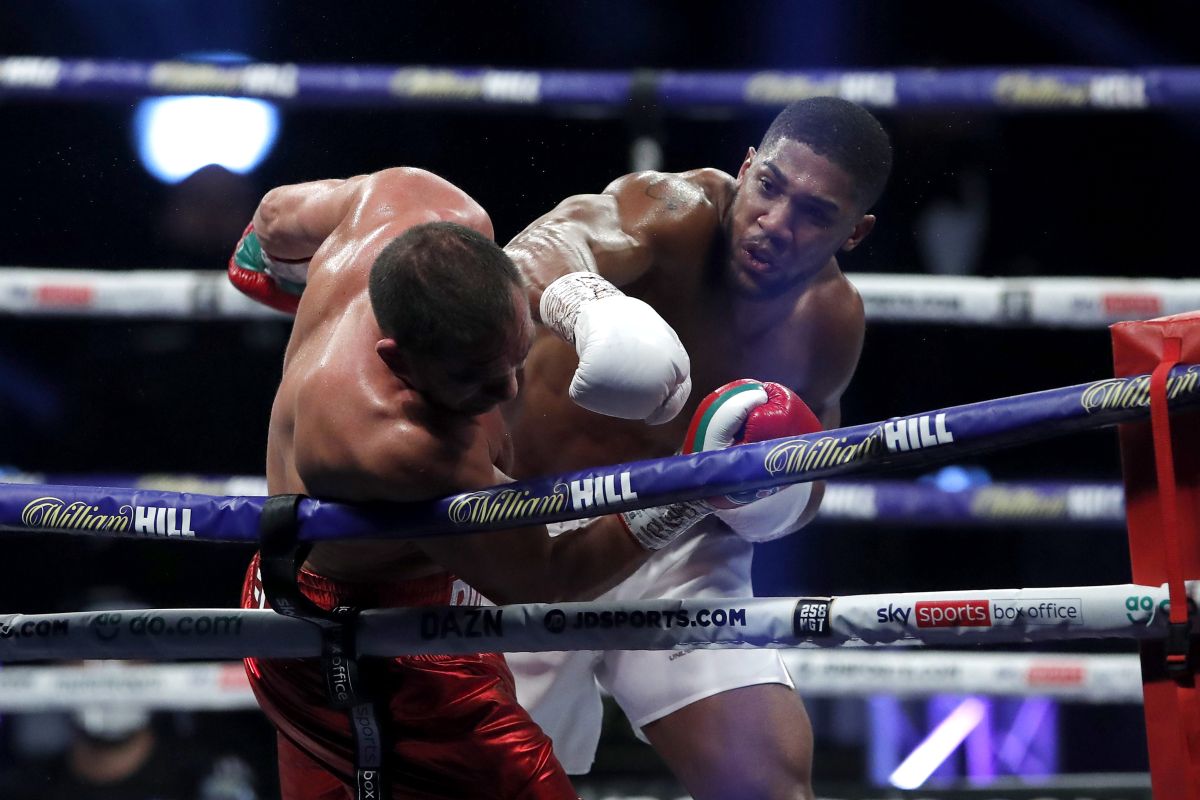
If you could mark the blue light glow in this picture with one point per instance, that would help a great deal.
(954, 478)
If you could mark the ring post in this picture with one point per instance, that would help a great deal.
(1161, 465)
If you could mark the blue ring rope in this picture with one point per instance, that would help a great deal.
(880, 502)
(917, 439)
(1003, 88)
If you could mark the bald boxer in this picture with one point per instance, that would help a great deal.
(411, 326)
(744, 269)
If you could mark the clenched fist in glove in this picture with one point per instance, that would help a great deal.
(737, 413)
(631, 364)
(274, 282)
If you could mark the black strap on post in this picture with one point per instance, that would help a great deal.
(280, 558)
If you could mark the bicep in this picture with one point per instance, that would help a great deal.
(619, 234)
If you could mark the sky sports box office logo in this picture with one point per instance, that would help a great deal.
(982, 613)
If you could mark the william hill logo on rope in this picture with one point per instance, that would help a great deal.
(915, 433)
(53, 513)
(1134, 392)
(586, 494)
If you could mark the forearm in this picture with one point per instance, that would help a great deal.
(292, 221)
(585, 233)
(588, 563)
(547, 250)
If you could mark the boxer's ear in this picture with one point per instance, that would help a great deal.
(389, 353)
(861, 229)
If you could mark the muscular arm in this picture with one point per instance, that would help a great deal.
(525, 565)
(638, 220)
(293, 221)
(521, 564)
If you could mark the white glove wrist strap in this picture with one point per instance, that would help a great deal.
(658, 526)
(562, 300)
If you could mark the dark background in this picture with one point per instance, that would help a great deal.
(1058, 194)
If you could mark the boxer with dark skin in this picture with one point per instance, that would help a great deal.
(411, 327)
(744, 269)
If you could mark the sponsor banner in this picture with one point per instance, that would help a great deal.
(1012, 615)
(895, 502)
(839, 672)
(1002, 615)
(1045, 302)
(650, 625)
(134, 293)
(812, 617)
(913, 439)
(1016, 89)
(952, 614)
(907, 440)
(156, 634)
(1048, 302)
(1026, 89)
(201, 687)
(332, 85)
(111, 511)
(908, 673)
(923, 503)
(30, 72)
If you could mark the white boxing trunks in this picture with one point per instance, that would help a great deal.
(560, 689)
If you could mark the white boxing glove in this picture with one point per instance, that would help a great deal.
(631, 363)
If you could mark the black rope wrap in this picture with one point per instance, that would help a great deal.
(280, 558)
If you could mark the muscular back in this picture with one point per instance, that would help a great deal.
(342, 425)
(661, 238)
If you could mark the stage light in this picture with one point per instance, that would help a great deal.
(939, 744)
(178, 135)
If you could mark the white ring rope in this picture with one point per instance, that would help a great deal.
(178, 687)
(222, 686)
(1092, 678)
(993, 616)
(1048, 302)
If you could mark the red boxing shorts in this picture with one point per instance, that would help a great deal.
(453, 722)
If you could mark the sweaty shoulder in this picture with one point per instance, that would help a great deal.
(672, 209)
(407, 196)
(699, 190)
(839, 303)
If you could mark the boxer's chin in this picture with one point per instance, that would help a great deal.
(757, 284)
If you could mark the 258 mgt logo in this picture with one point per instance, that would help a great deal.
(109, 625)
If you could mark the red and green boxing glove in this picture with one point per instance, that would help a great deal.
(274, 282)
(739, 412)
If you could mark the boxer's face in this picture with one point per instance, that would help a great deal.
(793, 210)
(474, 383)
